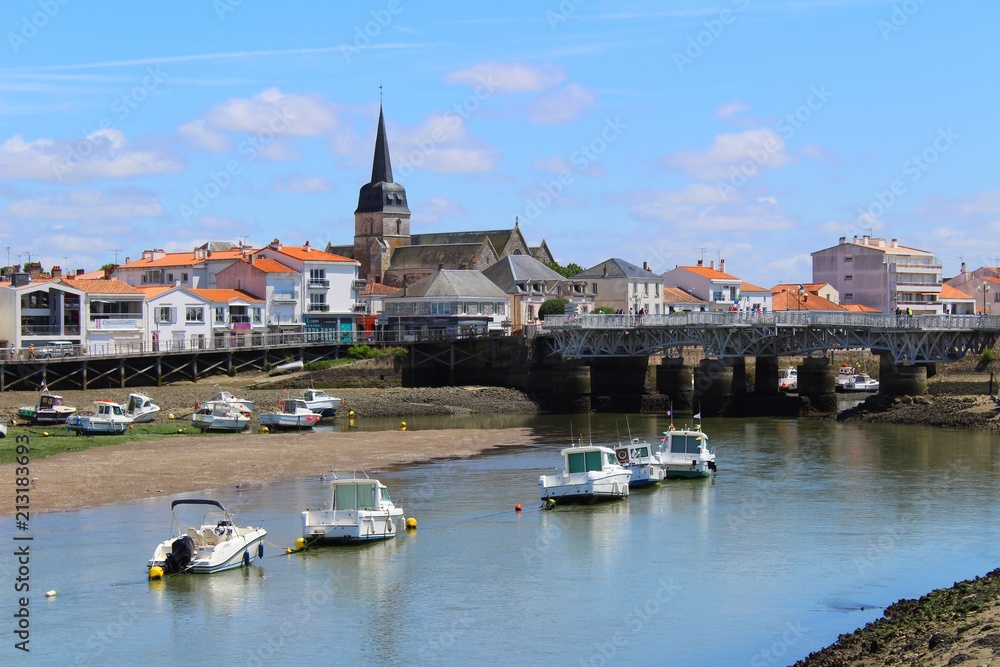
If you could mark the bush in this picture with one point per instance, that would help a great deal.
(987, 357)
(603, 310)
(320, 365)
(553, 307)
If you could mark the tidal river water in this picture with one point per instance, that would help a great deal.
(809, 530)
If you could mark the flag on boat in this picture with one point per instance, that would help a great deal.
(697, 416)
(670, 412)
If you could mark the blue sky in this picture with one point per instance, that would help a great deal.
(752, 130)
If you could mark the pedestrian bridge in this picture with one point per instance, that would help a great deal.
(905, 339)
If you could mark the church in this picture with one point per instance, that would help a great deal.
(390, 255)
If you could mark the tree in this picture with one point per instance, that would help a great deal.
(603, 310)
(553, 307)
(567, 271)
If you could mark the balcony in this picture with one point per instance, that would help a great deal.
(360, 284)
(319, 308)
(285, 297)
(50, 330)
(360, 308)
(319, 283)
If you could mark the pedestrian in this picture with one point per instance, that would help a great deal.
(31, 351)
(11, 352)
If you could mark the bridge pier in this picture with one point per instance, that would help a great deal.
(765, 377)
(676, 381)
(571, 386)
(818, 382)
(713, 387)
(900, 379)
(618, 384)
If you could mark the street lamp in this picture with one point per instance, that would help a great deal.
(984, 288)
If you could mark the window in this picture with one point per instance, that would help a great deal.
(184, 277)
(594, 288)
(849, 296)
(257, 316)
(194, 314)
(576, 462)
(594, 461)
(848, 277)
(501, 309)
(220, 315)
(848, 259)
(165, 314)
(170, 277)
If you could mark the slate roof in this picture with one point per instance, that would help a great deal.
(452, 256)
(342, 250)
(458, 284)
(617, 268)
(497, 237)
(514, 269)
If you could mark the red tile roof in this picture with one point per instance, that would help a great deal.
(859, 308)
(949, 292)
(378, 288)
(677, 295)
(185, 259)
(220, 295)
(707, 272)
(308, 253)
(102, 286)
(750, 287)
(785, 301)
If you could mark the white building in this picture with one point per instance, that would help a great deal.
(280, 287)
(196, 269)
(621, 285)
(720, 290)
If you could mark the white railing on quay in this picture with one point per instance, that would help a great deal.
(783, 318)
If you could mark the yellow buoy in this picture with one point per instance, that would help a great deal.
(411, 524)
(402, 426)
(45, 433)
(156, 572)
(289, 550)
(264, 429)
(180, 430)
(350, 413)
(171, 416)
(13, 422)
(300, 543)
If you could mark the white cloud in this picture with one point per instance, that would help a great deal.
(707, 208)
(507, 77)
(437, 208)
(279, 151)
(102, 154)
(727, 110)
(441, 145)
(289, 114)
(200, 136)
(556, 164)
(88, 205)
(302, 184)
(744, 153)
(561, 106)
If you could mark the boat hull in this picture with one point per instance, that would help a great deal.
(288, 421)
(43, 416)
(145, 417)
(241, 550)
(584, 487)
(349, 527)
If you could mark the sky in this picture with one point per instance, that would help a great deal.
(755, 131)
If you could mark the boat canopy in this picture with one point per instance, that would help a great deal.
(588, 460)
(196, 501)
(359, 495)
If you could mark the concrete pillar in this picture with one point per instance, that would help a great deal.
(818, 382)
(739, 366)
(902, 379)
(570, 389)
(713, 387)
(765, 377)
(676, 381)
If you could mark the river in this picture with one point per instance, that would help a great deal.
(809, 530)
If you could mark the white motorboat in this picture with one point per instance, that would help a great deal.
(108, 418)
(639, 457)
(245, 406)
(217, 544)
(788, 379)
(51, 409)
(862, 382)
(844, 375)
(3, 429)
(590, 473)
(219, 416)
(685, 453)
(359, 511)
(292, 413)
(320, 402)
(141, 408)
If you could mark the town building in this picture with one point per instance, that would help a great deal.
(624, 287)
(529, 284)
(278, 285)
(676, 300)
(881, 274)
(719, 289)
(983, 284)
(195, 269)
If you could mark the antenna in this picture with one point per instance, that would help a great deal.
(380, 93)
(243, 239)
(702, 251)
(116, 251)
(7, 248)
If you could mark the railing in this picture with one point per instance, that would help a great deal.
(116, 316)
(319, 308)
(50, 330)
(285, 296)
(784, 318)
(319, 282)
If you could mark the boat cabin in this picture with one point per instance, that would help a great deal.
(635, 453)
(358, 494)
(290, 406)
(49, 401)
(315, 395)
(138, 402)
(684, 442)
(109, 409)
(588, 459)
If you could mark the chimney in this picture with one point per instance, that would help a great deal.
(80, 272)
(711, 264)
(963, 269)
(251, 260)
(20, 279)
(895, 243)
(701, 262)
(305, 246)
(645, 266)
(843, 240)
(128, 260)
(275, 244)
(855, 239)
(57, 272)
(722, 265)
(107, 272)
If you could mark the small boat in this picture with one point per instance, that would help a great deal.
(638, 457)
(590, 473)
(685, 453)
(141, 408)
(320, 402)
(360, 510)
(292, 413)
(219, 416)
(3, 429)
(244, 405)
(862, 382)
(51, 409)
(217, 544)
(108, 418)
(290, 367)
(788, 379)
(844, 375)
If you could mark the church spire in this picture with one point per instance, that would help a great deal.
(381, 166)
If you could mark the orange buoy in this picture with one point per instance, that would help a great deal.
(517, 507)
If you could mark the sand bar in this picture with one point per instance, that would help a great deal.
(147, 469)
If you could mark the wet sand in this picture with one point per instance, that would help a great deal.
(152, 469)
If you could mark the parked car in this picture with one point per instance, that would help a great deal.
(788, 379)
(58, 348)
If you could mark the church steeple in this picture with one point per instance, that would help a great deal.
(381, 165)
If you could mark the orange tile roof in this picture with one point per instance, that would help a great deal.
(90, 275)
(155, 290)
(750, 287)
(786, 301)
(378, 288)
(220, 295)
(812, 288)
(860, 308)
(949, 292)
(677, 295)
(184, 259)
(708, 272)
(271, 266)
(308, 253)
(102, 286)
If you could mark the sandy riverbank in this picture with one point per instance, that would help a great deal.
(150, 469)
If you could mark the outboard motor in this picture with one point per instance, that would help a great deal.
(179, 558)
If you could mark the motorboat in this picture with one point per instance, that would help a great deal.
(219, 416)
(320, 402)
(590, 473)
(844, 375)
(292, 413)
(51, 409)
(141, 408)
(639, 457)
(245, 406)
(862, 382)
(359, 510)
(3, 429)
(108, 418)
(685, 453)
(217, 544)
(788, 379)
(290, 367)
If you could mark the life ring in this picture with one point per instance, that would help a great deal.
(622, 455)
(246, 558)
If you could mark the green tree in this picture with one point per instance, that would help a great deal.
(553, 307)
(567, 271)
(603, 310)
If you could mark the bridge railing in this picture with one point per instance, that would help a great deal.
(783, 318)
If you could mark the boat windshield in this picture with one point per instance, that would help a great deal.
(685, 444)
(354, 497)
(587, 461)
(385, 495)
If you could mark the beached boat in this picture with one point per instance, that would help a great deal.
(108, 418)
(292, 413)
(360, 510)
(862, 382)
(3, 429)
(217, 544)
(685, 453)
(590, 473)
(320, 402)
(639, 457)
(290, 367)
(788, 379)
(141, 408)
(844, 375)
(51, 409)
(244, 405)
(219, 416)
